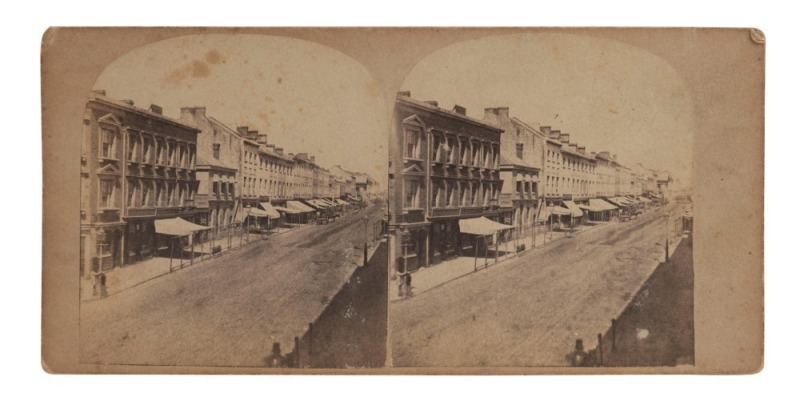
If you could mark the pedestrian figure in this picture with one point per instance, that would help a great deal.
(276, 360)
(100, 286)
(578, 356)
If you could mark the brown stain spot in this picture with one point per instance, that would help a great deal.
(280, 80)
(612, 110)
(213, 57)
(372, 89)
(200, 69)
(300, 109)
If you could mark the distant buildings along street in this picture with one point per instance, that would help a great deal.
(447, 167)
(139, 166)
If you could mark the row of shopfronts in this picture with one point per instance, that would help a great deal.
(428, 243)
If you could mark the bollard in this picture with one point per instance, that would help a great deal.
(600, 349)
(310, 343)
(297, 352)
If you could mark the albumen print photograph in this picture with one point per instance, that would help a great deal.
(542, 185)
(403, 200)
(224, 219)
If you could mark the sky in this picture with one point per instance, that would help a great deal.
(607, 95)
(306, 97)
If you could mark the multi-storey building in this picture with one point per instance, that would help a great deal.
(218, 159)
(445, 167)
(522, 159)
(137, 166)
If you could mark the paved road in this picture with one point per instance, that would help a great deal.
(228, 311)
(529, 311)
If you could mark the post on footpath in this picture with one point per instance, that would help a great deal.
(475, 252)
(366, 226)
(600, 349)
(191, 257)
(310, 342)
(297, 352)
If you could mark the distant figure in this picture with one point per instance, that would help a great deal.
(276, 360)
(578, 356)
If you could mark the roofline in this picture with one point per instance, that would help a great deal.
(138, 110)
(448, 113)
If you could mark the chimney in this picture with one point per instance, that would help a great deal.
(129, 102)
(582, 149)
(262, 138)
(404, 94)
(154, 108)
(545, 130)
(520, 146)
(242, 131)
(460, 110)
(279, 151)
(313, 159)
(614, 156)
(563, 138)
(99, 92)
(432, 103)
(594, 154)
(291, 155)
(573, 147)
(188, 113)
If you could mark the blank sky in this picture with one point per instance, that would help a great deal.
(306, 97)
(606, 94)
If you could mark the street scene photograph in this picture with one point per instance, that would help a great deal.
(540, 207)
(234, 207)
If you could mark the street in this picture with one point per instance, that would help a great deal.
(529, 311)
(229, 310)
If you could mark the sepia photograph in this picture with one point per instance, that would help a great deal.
(403, 200)
(543, 189)
(224, 219)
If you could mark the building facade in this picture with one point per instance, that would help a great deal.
(445, 166)
(137, 166)
(218, 201)
(522, 159)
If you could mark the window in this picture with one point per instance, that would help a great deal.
(520, 189)
(146, 150)
(146, 195)
(231, 190)
(412, 143)
(452, 155)
(133, 145)
(133, 186)
(411, 198)
(107, 194)
(170, 154)
(107, 141)
(215, 188)
(170, 194)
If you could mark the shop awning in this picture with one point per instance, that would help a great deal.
(178, 227)
(573, 208)
(556, 210)
(271, 212)
(255, 212)
(614, 201)
(341, 202)
(287, 210)
(325, 202)
(312, 204)
(599, 205)
(481, 226)
(645, 200)
(299, 206)
(352, 199)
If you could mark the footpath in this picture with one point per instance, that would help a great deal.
(129, 276)
(428, 278)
